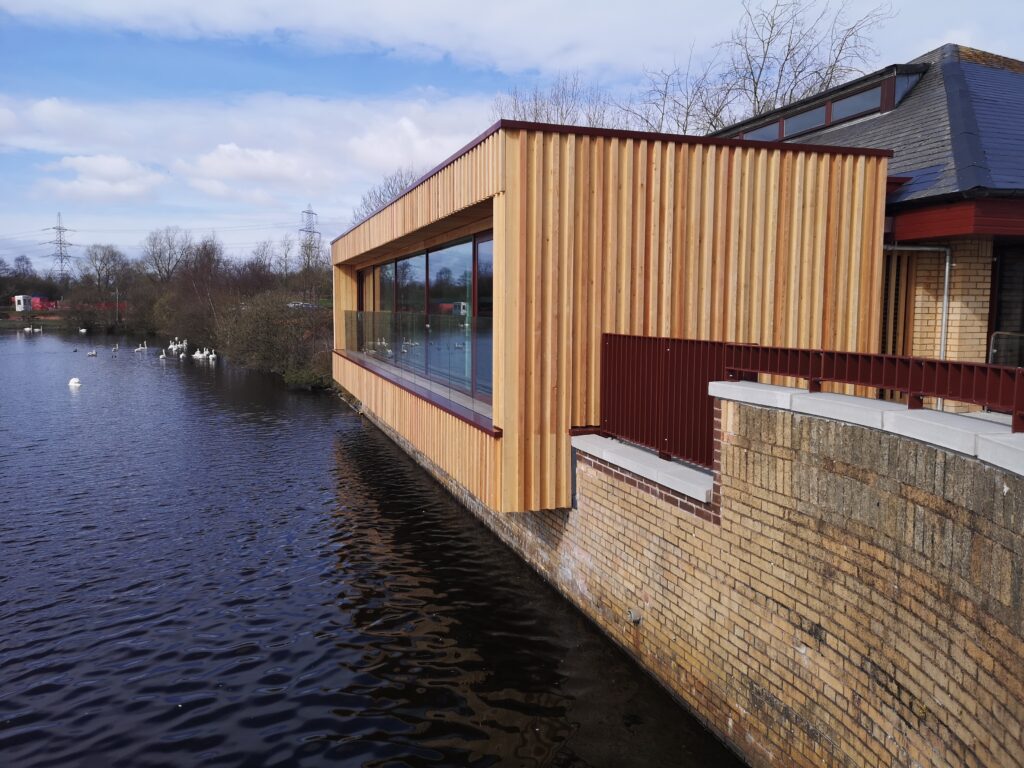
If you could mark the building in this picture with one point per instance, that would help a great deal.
(22, 303)
(552, 235)
(954, 118)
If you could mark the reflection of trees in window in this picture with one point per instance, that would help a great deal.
(451, 280)
(411, 284)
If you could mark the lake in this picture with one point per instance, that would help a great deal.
(198, 566)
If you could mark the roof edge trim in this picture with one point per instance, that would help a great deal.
(675, 138)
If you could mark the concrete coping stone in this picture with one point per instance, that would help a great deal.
(684, 480)
(855, 410)
(753, 393)
(985, 436)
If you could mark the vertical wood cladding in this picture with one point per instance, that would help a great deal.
(464, 452)
(633, 233)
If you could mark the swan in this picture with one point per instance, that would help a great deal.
(182, 356)
(83, 330)
(91, 354)
(74, 383)
(27, 329)
(213, 355)
(163, 355)
(38, 330)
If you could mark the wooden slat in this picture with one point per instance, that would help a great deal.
(467, 454)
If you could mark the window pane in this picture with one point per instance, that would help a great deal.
(812, 118)
(485, 309)
(768, 132)
(1008, 340)
(451, 280)
(865, 101)
(411, 276)
(450, 354)
(385, 288)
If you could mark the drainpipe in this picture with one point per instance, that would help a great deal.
(944, 329)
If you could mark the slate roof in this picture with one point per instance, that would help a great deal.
(959, 132)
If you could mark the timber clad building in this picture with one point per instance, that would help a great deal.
(841, 584)
(469, 312)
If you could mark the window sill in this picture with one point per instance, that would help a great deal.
(461, 412)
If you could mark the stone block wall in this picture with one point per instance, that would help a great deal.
(849, 597)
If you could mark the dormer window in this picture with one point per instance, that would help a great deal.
(857, 104)
(881, 97)
(805, 121)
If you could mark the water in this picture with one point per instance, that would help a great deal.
(198, 567)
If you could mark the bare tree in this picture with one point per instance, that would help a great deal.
(102, 265)
(23, 267)
(165, 250)
(790, 49)
(568, 100)
(779, 52)
(284, 255)
(388, 189)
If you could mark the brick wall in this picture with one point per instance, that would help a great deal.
(850, 597)
(970, 289)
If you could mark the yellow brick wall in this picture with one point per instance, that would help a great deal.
(849, 598)
(970, 289)
(859, 602)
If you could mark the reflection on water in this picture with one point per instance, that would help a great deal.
(201, 567)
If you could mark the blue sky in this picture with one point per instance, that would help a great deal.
(233, 115)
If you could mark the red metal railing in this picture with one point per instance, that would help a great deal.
(654, 391)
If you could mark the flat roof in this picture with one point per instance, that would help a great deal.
(675, 138)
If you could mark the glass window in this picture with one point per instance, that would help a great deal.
(805, 121)
(384, 288)
(768, 132)
(1007, 343)
(483, 335)
(411, 285)
(865, 101)
(451, 280)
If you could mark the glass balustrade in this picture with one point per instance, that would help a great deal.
(448, 354)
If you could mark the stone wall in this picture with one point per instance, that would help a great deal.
(849, 597)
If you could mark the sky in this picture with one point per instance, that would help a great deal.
(232, 116)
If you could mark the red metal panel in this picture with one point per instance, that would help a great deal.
(654, 390)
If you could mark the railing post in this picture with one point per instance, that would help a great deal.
(1017, 419)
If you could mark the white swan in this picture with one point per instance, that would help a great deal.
(182, 356)
(91, 354)
(27, 329)
(83, 330)
(74, 383)
(38, 330)
(163, 355)
(212, 356)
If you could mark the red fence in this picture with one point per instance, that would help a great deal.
(654, 391)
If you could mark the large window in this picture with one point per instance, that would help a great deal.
(1007, 341)
(431, 314)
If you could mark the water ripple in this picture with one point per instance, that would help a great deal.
(199, 567)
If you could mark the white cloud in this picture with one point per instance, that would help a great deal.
(101, 177)
(513, 37)
(598, 36)
(215, 164)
